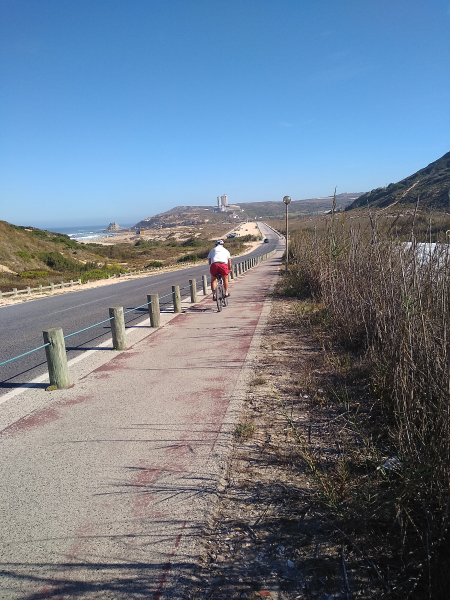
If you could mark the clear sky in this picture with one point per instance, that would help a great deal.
(115, 110)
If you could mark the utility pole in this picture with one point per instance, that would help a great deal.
(287, 200)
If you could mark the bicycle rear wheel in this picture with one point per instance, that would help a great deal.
(219, 294)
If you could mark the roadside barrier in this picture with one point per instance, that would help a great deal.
(54, 339)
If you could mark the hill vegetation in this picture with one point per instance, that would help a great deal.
(430, 185)
(31, 256)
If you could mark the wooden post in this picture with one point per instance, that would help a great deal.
(71, 283)
(40, 288)
(14, 291)
(58, 371)
(52, 287)
(118, 328)
(176, 298)
(205, 284)
(231, 272)
(28, 290)
(153, 310)
(193, 288)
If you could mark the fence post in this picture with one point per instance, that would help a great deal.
(52, 287)
(14, 291)
(176, 298)
(118, 328)
(28, 290)
(153, 310)
(58, 370)
(231, 272)
(205, 284)
(193, 288)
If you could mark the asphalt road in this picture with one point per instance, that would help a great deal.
(21, 325)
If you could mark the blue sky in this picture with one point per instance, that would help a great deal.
(115, 110)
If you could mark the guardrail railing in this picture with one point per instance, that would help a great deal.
(54, 345)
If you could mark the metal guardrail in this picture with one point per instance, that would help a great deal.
(55, 348)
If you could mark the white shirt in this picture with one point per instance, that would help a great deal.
(219, 254)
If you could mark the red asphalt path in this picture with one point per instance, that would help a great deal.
(105, 489)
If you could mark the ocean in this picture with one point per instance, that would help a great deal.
(83, 232)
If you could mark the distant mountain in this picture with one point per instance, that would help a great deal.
(431, 185)
(195, 215)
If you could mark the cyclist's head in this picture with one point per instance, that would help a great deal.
(219, 243)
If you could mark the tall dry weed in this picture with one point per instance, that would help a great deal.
(389, 302)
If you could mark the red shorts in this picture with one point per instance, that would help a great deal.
(217, 268)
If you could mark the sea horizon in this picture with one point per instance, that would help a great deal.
(83, 232)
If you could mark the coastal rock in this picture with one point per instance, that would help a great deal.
(113, 227)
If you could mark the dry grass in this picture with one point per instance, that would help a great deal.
(383, 317)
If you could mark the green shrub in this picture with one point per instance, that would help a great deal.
(24, 254)
(188, 258)
(154, 263)
(58, 262)
(101, 273)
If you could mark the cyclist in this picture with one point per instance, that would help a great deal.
(220, 262)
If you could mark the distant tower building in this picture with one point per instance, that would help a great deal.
(219, 201)
(224, 200)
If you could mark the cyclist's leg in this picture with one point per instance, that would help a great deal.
(213, 283)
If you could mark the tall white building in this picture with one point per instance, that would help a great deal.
(222, 202)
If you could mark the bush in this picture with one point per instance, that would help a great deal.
(188, 258)
(58, 262)
(154, 264)
(24, 254)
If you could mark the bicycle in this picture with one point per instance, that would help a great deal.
(221, 298)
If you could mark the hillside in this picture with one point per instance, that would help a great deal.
(31, 256)
(430, 184)
(197, 215)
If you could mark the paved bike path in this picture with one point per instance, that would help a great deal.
(106, 487)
